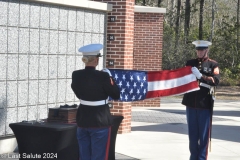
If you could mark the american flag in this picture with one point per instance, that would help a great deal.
(139, 85)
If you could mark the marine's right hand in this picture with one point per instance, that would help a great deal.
(196, 72)
(107, 70)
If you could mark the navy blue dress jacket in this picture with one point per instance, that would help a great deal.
(202, 98)
(93, 85)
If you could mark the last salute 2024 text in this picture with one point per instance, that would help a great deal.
(34, 156)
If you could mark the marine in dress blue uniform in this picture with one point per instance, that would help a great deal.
(199, 104)
(92, 88)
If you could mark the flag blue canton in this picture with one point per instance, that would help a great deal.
(133, 84)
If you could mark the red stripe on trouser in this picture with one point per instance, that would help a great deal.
(108, 143)
(209, 129)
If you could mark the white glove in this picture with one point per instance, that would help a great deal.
(107, 70)
(196, 72)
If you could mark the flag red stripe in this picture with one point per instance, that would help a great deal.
(168, 74)
(172, 91)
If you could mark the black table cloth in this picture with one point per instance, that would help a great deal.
(116, 123)
(46, 140)
(54, 140)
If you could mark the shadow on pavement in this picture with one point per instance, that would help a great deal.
(169, 127)
(221, 132)
(215, 113)
(120, 156)
(174, 120)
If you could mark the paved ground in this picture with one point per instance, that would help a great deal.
(161, 133)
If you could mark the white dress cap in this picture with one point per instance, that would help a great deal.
(91, 50)
(201, 44)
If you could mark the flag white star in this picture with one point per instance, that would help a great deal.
(133, 98)
(123, 77)
(128, 85)
(144, 91)
(140, 97)
(116, 76)
(141, 85)
(138, 78)
(134, 85)
(138, 91)
(123, 90)
(131, 91)
(126, 97)
(144, 78)
(131, 78)
(120, 84)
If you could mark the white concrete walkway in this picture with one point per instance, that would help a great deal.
(161, 133)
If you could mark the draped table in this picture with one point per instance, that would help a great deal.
(54, 140)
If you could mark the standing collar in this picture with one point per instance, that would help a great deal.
(202, 59)
(90, 67)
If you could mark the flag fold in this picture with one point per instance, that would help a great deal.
(139, 85)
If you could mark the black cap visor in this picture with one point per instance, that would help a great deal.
(99, 55)
(201, 48)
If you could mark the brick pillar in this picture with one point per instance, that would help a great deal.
(121, 50)
(148, 38)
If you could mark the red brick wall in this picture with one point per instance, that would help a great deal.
(147, 56)
(123, 109)
(137, 45)
(121, 50)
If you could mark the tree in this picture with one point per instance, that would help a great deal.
(159, 3)
(177, 24)
(187, 20)
(201, 20)
(237, 45)
(144, 2)
(213, 19)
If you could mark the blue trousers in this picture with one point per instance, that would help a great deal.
(198, 131)
(93, 143)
